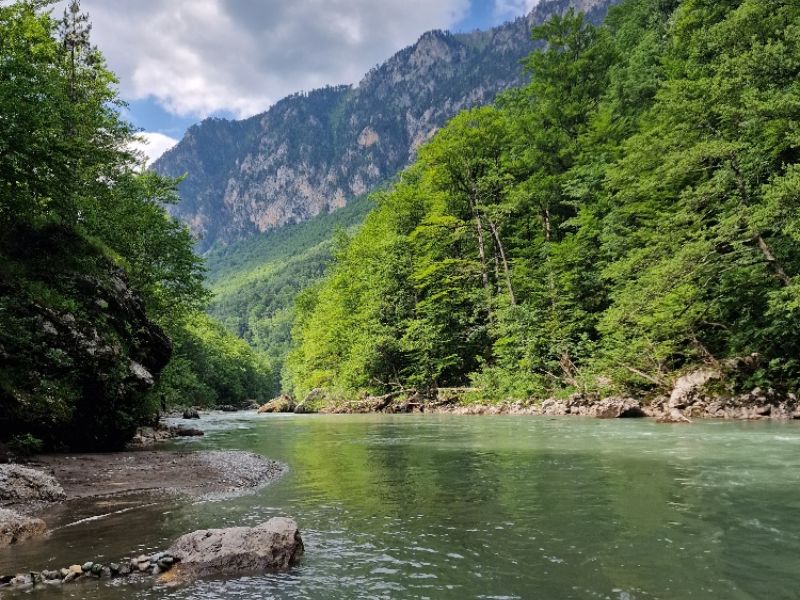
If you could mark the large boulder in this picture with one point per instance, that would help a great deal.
(616, 408)
(687, 389)
(273, 546)
(281, 404)
(21, 484)
(15, 527)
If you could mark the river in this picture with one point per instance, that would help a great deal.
(446, 507)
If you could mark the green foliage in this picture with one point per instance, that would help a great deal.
(255, 282)
(93, 271)
(629, 214)
(212, 367)
(25, 445)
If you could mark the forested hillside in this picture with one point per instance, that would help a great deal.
(627, 216)
(255, 282)
(316, 151)
(102, 299)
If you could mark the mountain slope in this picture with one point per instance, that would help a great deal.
(314, 152)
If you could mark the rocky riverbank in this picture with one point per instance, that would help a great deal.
(28, 491)
(195, 474)
(691, 398)
(272, 546)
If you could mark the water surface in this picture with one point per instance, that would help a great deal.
(470, 507)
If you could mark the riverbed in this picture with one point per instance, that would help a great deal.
(448, 507)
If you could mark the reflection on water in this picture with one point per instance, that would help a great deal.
(497, 507)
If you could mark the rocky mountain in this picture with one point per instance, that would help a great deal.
(314, 152)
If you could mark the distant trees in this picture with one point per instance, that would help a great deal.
(628, 214)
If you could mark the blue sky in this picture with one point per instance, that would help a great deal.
(180, 61)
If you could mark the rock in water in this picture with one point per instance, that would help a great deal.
(674, 416)
(15, 527)
(21, 484)
(281, 404)
(274, 545)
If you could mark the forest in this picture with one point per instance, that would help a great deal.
(629, 215)
(102, 297)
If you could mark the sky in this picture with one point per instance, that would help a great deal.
(180, 61)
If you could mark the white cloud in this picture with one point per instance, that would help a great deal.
(200, 56)
(508, 9)
(153, 145)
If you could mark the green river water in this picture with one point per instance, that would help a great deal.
(469, 507)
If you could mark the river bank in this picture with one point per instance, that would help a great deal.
(687, 401)
(31, 492)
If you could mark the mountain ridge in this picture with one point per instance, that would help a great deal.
(313, 152)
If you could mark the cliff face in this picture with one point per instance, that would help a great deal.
(314, 152)
(77, 351)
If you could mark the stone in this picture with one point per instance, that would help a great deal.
(51, 575)
(97, 569)
(73, 573)
(274, 545)
(181, 431)
(616, 408)
(87, 567)
(191, 413)
(15, 527)
(114, 568)
(22, 580)
(281, 404)
(165, 563)
(687, 388)
(674, 416)
(22, 484)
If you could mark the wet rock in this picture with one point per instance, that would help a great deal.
(191, 413)
(274, 545)
(181, 431)
(73, 573)
(22, 580)
(228, 408)
(674, 416)
(149, 436)
(22, 484)
(51, 576)
(281, 404)
(97, 569)
(616, 408)
(15, 527)
(87, 567)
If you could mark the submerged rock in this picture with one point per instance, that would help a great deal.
(15, 527)
(191, 413)
(274, 545)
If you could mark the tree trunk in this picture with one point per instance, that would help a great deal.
(496, 235)
(481, 242)
(765, 249)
